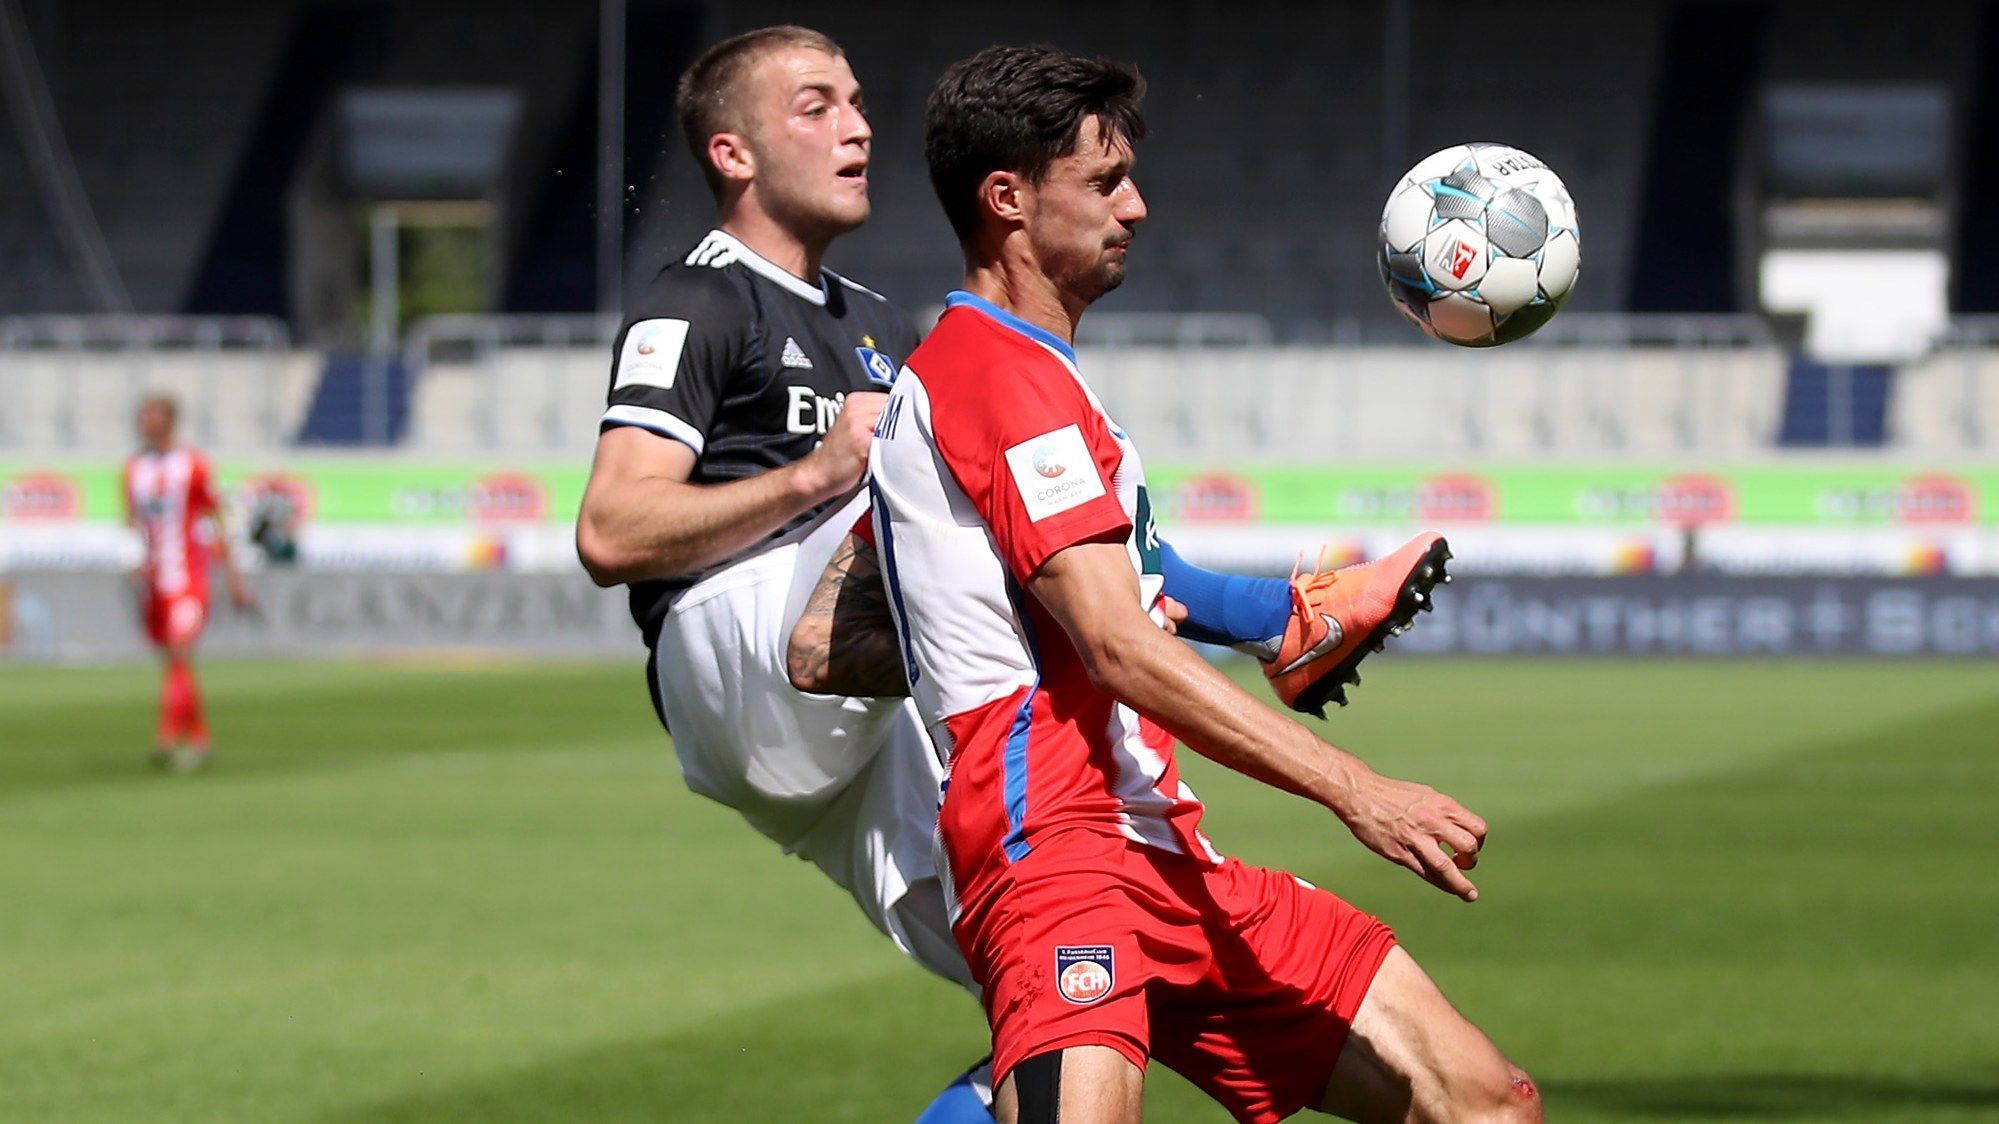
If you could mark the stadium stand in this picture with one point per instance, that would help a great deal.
(359, 400)
(1266, 168)
(518, 383)
(1269, 158)
(1294, 137)
(1948, 402)
(1570, 396)
(154, 108)
(70, 382)
(1844, 404)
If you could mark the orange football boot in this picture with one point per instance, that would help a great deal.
(1339, 616)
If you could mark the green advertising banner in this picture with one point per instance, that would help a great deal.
(334, 491)
(1580, 495)
(385, 491)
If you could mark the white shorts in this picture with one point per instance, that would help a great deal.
(850, 785)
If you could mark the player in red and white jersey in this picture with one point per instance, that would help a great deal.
(170, 500)
(1016, 537)
(1035, 453)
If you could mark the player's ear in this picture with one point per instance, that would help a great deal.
(1001, 194)
(731, 155)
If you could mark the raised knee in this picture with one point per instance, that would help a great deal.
(1504, 1097)
(1521, 1101)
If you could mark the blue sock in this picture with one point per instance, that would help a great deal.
(960, 1102)
(1225, 608)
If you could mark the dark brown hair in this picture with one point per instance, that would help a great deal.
(1019, 109)
(710, 98)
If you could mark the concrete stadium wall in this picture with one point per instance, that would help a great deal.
(49, 617)
(1198, 403)
(70, 617)
(1268, 402)
(79, 402)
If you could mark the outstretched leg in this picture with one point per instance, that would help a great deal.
(1411, 1056)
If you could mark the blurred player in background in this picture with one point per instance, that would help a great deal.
(1017, 540)
(170, 500)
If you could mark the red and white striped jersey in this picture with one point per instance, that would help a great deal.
(991, 456)
(167, 495)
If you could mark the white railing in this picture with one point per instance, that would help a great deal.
(264, 333)
(525, 383)
(1203, 388)
(518, 384)
(1964, 363)
(1585, 385)
(483, 334)
(1610, 381)
(68, 383)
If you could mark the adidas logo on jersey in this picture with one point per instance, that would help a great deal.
(794, 356)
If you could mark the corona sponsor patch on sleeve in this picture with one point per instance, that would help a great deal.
(1054, 472)
(651, 355)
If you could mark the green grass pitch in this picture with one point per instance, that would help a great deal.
(422, 892)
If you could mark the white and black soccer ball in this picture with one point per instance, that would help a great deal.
(1479, 244)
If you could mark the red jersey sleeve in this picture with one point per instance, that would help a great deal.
(864, 527)
(1033, 455)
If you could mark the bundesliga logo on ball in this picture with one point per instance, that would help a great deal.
(1479, 244)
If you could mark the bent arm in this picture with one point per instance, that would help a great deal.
(1093, 592)
(240, 593)
(641, 519)
(225, 554)
(209, 505)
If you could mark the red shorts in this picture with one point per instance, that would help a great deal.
(1241, 979)
(175, 618)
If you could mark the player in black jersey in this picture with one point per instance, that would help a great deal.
(745, 386)
(747, 367)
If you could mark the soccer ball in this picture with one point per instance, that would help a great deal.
(1479, 244)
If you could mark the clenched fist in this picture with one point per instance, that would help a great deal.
(842, 456)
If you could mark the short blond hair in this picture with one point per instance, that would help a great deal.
(710, 98)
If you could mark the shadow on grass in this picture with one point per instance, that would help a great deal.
(819, 1068)
(867, 1052)
(1768, 1096)
(875, 1051)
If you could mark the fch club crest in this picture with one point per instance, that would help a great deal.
(1084, 973)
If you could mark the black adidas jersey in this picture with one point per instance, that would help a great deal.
(747, 365)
